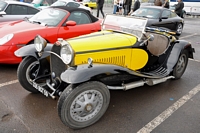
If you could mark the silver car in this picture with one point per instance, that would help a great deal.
(68, 3)
(15, 10)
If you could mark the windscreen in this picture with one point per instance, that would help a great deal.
(131, 25)
(2, 5)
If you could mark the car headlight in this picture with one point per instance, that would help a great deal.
(66, 54)
(40, 43)
(6, 38)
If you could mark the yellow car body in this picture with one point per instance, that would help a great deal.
(90, 3)
(118, 51)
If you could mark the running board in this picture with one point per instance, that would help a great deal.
(140, 83)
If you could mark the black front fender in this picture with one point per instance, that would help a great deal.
(29, 50)
(84, 73)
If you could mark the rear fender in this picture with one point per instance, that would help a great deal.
(29, 50)
(85, 72)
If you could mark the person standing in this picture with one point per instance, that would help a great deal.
(116, 2)
(120, 5)
(100, 4)
(127, 6)
(179, 7)
(135, 7)
(166, 4)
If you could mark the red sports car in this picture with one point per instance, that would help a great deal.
(51, 23)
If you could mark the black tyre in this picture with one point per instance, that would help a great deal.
(181, 64)
(83, 105)
(179, 29)
(26, 72)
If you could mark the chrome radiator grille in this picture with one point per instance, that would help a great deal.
(57, 65)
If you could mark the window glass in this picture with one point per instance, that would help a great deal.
(72, 4)
(49, 17)
(166, 13)
(8, 10)
(79, 18)
(2, 5)
(32, 10)
(17, 10)
(147, 12)
(173, 14)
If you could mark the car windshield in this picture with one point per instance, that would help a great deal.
(147, 12)
(131, 25)
(2, 5)
(49, 16)
(59, 3)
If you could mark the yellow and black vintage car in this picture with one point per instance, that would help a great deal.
(80, 71)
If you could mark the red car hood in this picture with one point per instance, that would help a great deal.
(17, 27)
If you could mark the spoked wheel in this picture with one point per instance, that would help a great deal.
(181, 65)
(179, 29)
(83, 105)
(26, 72)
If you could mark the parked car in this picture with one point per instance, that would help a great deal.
(50, 23)
(147, 4)
(15, 10)
(172, 8)
(68, 3)
(80, 71)
(90, 3)
(161, 17)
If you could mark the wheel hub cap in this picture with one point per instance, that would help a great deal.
(86, 105)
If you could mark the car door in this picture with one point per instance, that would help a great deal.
(166, 20)
(83, 25)
(16, 12)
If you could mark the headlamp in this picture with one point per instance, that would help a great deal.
(40, 43)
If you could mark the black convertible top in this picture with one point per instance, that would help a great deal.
(71, 9)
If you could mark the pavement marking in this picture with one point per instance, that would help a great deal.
(194, 60)
(168, 112)
(9, 83)
(188, 36)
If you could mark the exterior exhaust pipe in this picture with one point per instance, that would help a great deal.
(135, 84)
(152, 82)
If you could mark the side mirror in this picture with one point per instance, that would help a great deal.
(2, 13)
(164, 17)
(160, 19)
(70, 23)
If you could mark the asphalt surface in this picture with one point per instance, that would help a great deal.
(170, 107)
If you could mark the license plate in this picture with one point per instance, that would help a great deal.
(40, 89)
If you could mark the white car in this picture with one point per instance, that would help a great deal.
(15, 10)
(68, 3)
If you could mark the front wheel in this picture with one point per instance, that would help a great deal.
(181, 64)
(26, 72)
(83, 105)
(179, 29)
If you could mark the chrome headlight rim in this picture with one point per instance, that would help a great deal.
(66, 58)
(6, 38)
(40, 43)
